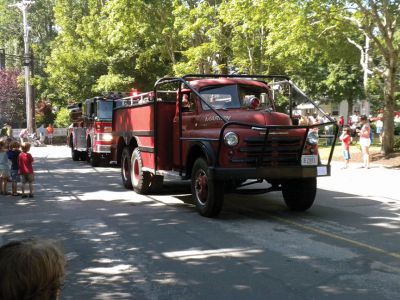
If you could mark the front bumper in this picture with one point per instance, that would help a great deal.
(269, 173)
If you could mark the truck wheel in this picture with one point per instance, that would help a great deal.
(94, 159)
(126, 168)
(83, 155)
(299, 194)
(156, 183)
(75, 154)
(207, 194)
(141, 180)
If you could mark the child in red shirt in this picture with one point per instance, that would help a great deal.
(25, 169)
(346, 139)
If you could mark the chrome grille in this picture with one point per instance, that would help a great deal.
(270, 150)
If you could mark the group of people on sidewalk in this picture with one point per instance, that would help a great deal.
(43, 133)
(364, 134)
(21, 168)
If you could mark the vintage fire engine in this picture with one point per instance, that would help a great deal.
(89, 135)
(223, 133)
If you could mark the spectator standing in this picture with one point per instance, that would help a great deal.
(23, 135)
(346, 139)
(13, 154)
(379, 129)
(365, 140)
(4, 169)
(42, 132)
(341, 122)
(31, 269)
(25, 168)
(303, 121)
(50, 132)
(328, 130)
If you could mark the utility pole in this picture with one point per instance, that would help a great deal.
(23, 6)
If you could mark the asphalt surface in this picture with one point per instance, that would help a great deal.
(121, 245)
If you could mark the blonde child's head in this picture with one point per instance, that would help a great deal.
(25, 147)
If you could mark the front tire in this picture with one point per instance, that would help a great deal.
(141, 180)
(94, 159)
(126, 168)
(299, 194)
(208, 194)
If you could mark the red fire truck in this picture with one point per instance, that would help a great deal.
(221, 132)
(89, 135)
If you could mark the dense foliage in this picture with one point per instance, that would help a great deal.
(12, 108)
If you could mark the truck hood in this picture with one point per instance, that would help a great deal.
(258, 117)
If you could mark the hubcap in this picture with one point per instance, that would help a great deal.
(201, 187)
(136, 171)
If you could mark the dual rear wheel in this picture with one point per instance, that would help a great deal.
(133, 175)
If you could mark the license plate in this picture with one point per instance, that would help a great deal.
(309, 160)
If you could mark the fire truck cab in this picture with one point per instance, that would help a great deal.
(220, 132)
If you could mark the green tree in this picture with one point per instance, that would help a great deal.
(62, 119)
(378, 21)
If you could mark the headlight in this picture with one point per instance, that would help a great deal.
(231, 139)
(107, 137)
(312, 137)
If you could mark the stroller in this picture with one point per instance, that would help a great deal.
(33, 140)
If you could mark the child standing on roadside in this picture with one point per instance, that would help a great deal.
(346, 138)
(50, 132)
(25, 168)
(13, 154)
(4, 168)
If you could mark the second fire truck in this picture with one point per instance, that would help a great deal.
(89, 135)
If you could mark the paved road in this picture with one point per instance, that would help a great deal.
(125, 246)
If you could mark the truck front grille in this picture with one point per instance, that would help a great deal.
(270, 151)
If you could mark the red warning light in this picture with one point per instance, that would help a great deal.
(134, 92)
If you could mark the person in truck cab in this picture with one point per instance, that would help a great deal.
(185, 103)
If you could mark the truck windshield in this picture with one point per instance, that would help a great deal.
(235, 96)
(104, 109)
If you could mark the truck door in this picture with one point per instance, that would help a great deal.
(183, 129)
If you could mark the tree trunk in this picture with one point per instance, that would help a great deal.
(389, 100)
(350, 103)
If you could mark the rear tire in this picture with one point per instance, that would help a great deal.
(126, 168)
(299, 194)
(208, 194)
(75, 154)
(140, 179)
(156, 183)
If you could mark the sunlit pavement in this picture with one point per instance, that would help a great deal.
(377, 181)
